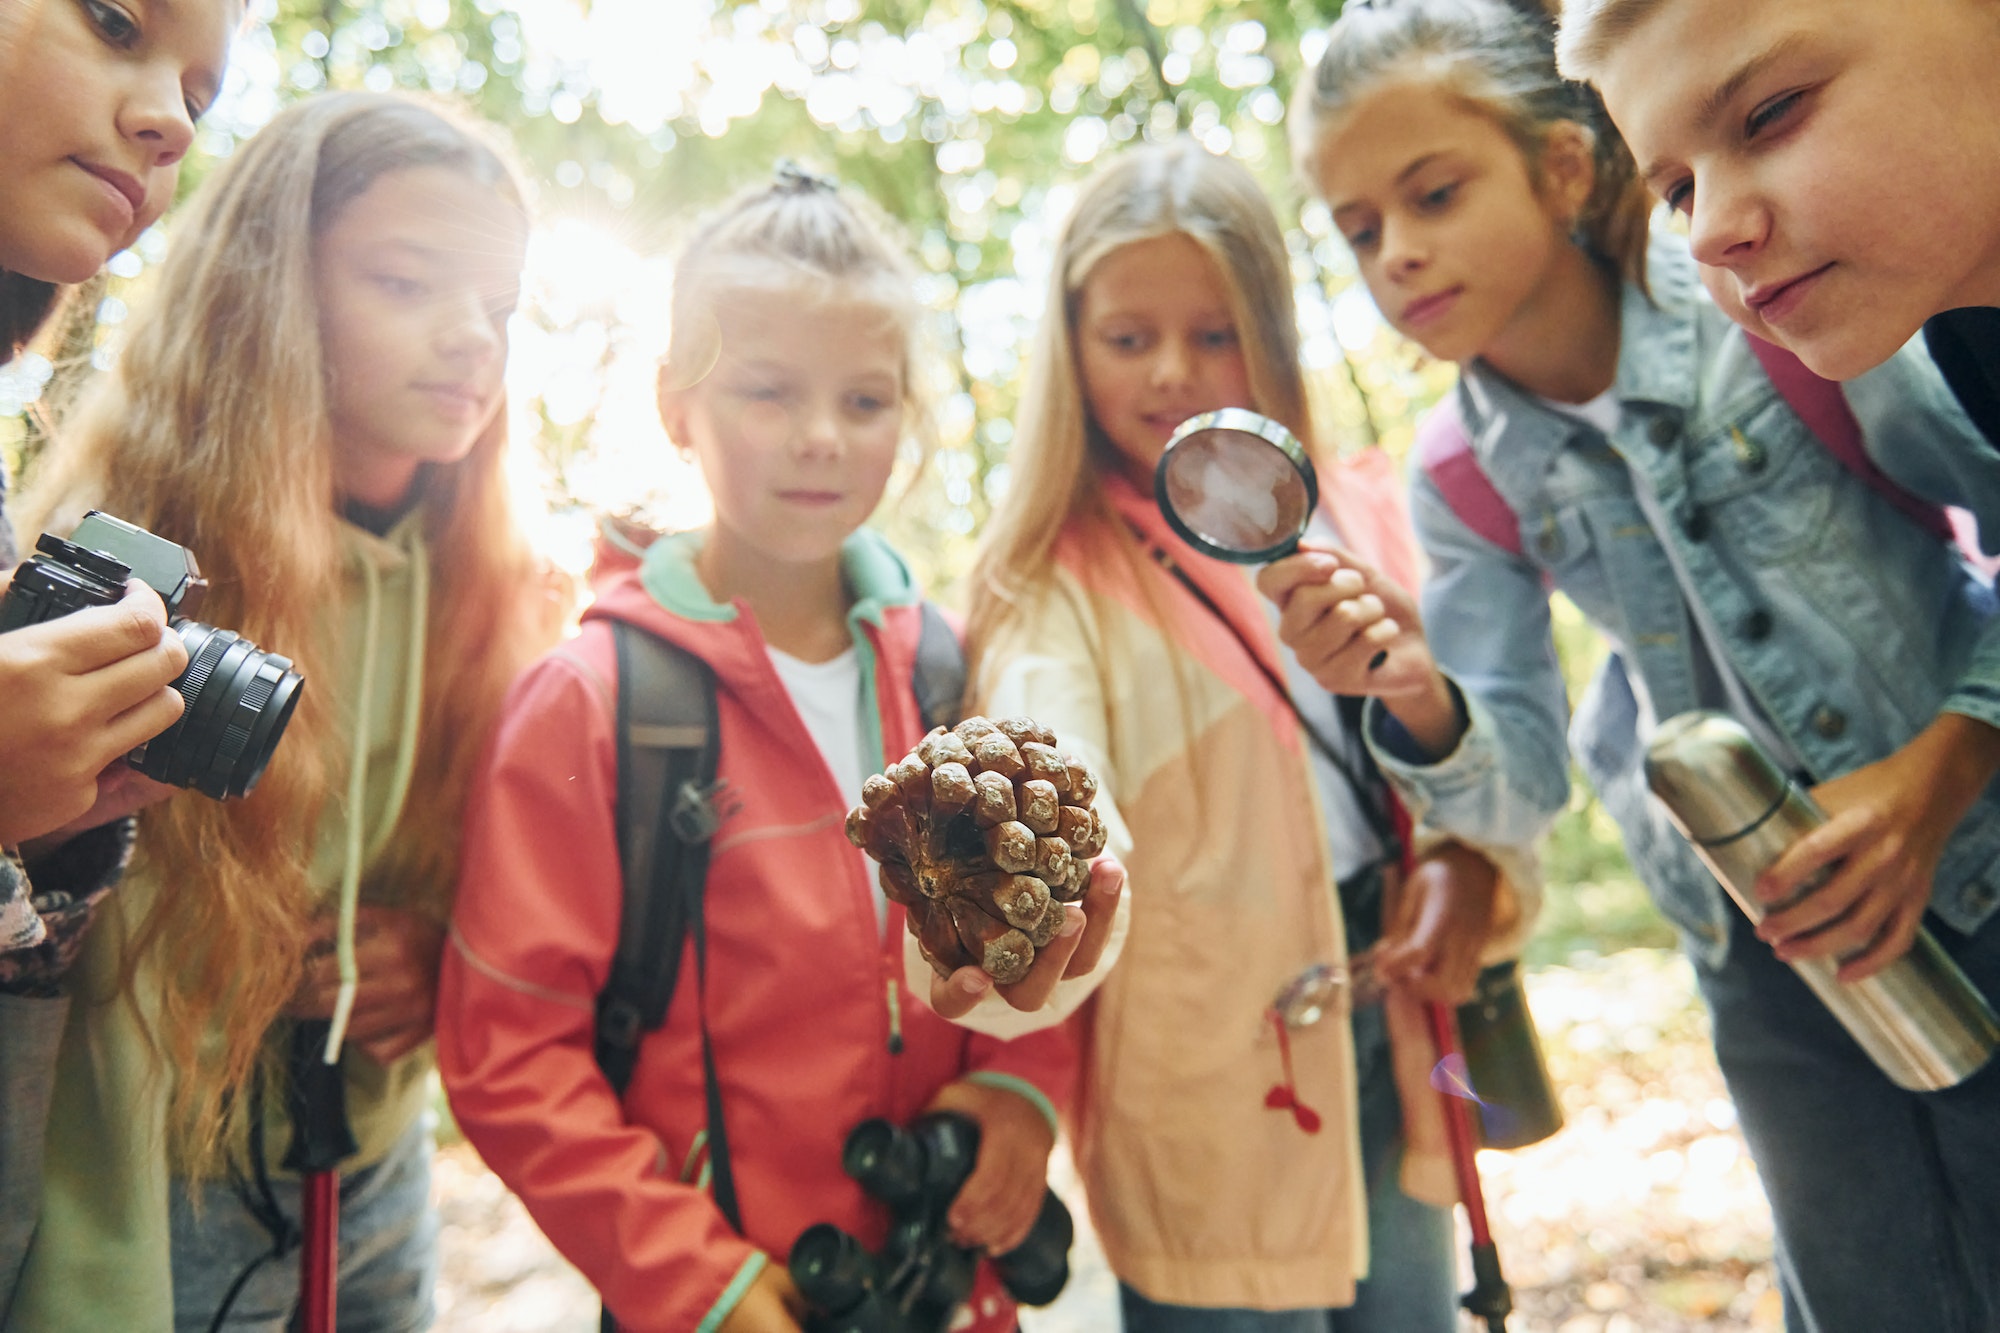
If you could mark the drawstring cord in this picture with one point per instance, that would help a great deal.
(1285, 1096)
(357, 853)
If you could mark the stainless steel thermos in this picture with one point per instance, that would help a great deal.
(1919, 1018)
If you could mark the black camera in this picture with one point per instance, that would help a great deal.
(920, 1276)
(238, 697)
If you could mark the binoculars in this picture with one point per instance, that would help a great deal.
(920, 1276)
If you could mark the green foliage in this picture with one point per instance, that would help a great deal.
(969, 121)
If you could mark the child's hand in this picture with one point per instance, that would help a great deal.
(76, 693)
(1002, 1197)
(772, 1305)
(395, 1004)
(121, 790)
(1888, 825)
(1357, 632)
(1430, 949)
(1074, 953)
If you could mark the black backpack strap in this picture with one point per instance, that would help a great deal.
(668, 747)
(939, 677)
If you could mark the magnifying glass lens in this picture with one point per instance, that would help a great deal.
(1237, 486)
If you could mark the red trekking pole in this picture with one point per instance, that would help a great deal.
(1490, 1298)
(316, 1097)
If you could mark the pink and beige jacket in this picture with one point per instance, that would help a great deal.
(1202, 1194)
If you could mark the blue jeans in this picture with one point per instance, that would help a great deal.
(1412, 1283)
(1886, 1202)
(388, 1250)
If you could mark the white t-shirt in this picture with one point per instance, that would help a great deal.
(1719, 686)
(1350, 838)
(828, 698)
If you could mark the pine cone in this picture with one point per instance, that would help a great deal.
(982, 832)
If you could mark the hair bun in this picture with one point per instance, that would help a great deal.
(790, 177)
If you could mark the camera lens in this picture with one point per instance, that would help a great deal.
(1035, 1271)
(238, 699)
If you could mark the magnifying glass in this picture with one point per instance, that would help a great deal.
(1239, 486)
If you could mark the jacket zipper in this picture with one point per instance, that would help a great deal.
(895, 1017)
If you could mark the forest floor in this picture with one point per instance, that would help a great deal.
(1642, 1216)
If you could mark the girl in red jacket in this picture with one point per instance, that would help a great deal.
(789, 378)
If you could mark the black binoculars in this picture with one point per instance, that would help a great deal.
(920, 1276)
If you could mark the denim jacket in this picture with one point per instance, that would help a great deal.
(1849, 625)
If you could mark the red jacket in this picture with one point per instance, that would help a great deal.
(804, 997)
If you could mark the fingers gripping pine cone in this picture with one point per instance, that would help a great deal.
(983, 832)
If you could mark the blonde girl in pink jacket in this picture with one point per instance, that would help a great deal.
(1222, 1151)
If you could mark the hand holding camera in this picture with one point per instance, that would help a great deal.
(75, 695)
(86, 659)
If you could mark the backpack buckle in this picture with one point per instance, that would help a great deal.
(694, 816)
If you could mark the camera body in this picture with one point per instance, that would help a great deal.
(920, 1277)
(238, 697)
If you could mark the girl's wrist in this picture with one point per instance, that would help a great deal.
(1961, 754)
(1431, 715)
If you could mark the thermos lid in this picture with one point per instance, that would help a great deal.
(1713, 776)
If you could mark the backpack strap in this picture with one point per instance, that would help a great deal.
(1820, 403)
(939, 677)
(667, 756)
(1444, 451)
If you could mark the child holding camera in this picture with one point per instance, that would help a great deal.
(1640, 458)
(792, 378)
(1838, 163)
(313, 404)
(98, 106)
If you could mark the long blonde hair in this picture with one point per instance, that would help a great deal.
(1172, 189)
(214, 430)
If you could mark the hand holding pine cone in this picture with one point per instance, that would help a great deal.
(983, 832)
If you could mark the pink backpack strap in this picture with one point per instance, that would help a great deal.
(1823, 407)
(1444, 451)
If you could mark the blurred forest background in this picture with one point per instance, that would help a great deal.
(969, 120)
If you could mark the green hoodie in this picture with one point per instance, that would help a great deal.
(101, 1257)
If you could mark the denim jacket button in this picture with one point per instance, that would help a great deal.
(1757, 625)
(1829, 721)
(1980, 897)
(1663, 431)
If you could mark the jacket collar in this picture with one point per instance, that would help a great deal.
(876, 577)
(1657, 369)
(1223, 625)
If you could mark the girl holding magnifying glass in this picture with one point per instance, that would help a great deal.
(1235, 1172)
(1657, 476)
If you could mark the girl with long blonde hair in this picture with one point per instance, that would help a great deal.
(312, 403)
(1220, 1136)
